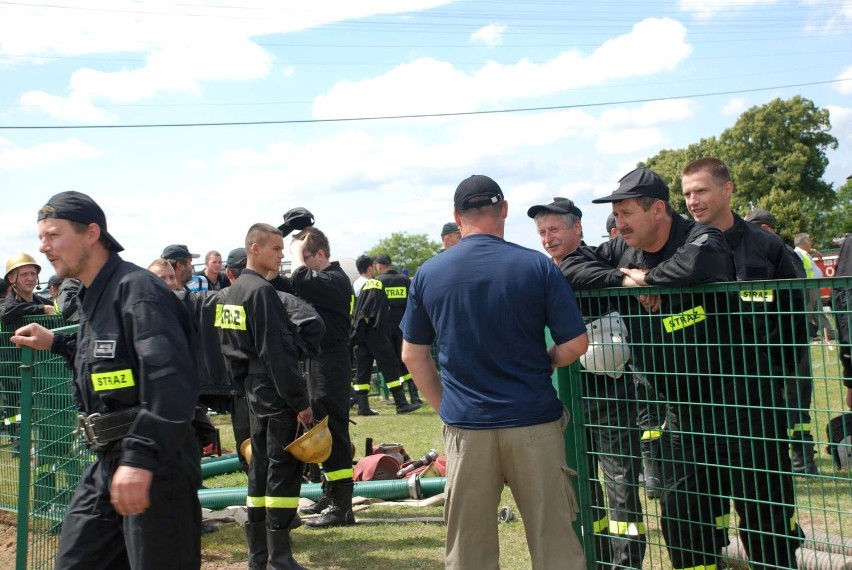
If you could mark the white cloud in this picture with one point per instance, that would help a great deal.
(43, 154)
(705, 9)
(490, 35)
(734, 107)
(73, 108)
(430, 86)
(629, 140)
(844, 87)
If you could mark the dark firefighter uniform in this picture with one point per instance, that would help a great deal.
(368, 334)
(724, 420)
(329, 374)
(842, 298)
(396, 287)
(133, 365)
(261, 349)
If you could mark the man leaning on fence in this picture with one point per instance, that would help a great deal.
(488, 301)
(721, 436)
(135, 386)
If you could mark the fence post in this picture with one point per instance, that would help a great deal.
(24, 457)
(569, 389)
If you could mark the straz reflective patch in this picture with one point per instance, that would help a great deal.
(684, 319)
(396, 292)
(113, 380)
(230, 317)
(758, 296)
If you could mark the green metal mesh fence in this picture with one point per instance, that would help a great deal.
(685, 454)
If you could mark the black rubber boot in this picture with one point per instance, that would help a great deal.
(402, 405)
(364, 406)
(651, 468)
(256, 539)
(322, 503)
(413, 393)
(803, 452)
(280, 551)
(340, 513)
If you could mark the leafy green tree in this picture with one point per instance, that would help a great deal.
(838, 221)
(777, 156)
(408, 251)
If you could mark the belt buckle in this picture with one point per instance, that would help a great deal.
(88, 429)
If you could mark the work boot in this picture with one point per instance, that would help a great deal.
(412, 391)
(322, 503)
(364, 406)
(803, 455)
(340, 513)
(280, 551)
(402, 405)
(257, 549)
(652, 477)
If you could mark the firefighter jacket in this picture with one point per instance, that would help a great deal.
(331, 294)
(133, 349)
(13, 307)
(690, 379)
(370, 312)
(842, 306)
(396, 289)
(214, 374)
(257, 338)
(777, 315)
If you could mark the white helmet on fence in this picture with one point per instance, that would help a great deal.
(608, 351)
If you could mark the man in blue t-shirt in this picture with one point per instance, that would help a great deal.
(488, 301)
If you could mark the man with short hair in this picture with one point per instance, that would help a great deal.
(263, 355)
(396, 286)
(450, 235)
(610, 412)
(322, 283)
(777, 315)
(366, 271)
(501, 414)
(135, 385)
(164, 270)
(719, 426)
(180, 258)
(211, 278)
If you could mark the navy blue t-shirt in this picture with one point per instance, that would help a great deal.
(488, 302)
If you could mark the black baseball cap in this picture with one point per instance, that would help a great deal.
(449, 228)
(383, 259)
(237, 259)
(557, 206)
(296, 219)
(758, 216)
(637, 184)
(178, 251)
(475, 192)
(54, 281)
(78, 207)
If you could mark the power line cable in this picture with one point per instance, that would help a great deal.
(423, 115)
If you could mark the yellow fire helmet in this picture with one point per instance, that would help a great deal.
(314, 446)
(20, 260)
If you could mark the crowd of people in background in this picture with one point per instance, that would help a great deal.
(683, 424)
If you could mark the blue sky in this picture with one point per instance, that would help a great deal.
(622, 81)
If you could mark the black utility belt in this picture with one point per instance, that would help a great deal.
(103, 429)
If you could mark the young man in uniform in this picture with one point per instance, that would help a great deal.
(323, 284)
(263, 356)
(22, 275)
(715, 442)
(396, 287)
(135, 385)
(776, 314)
(501, 415)
(610, 412)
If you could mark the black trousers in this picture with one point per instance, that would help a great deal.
(614, 446)
(746, 461)
(375, 346)
(275, 476)
(241, 424)
(328, 389)
(166, 535)
(395, 336)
